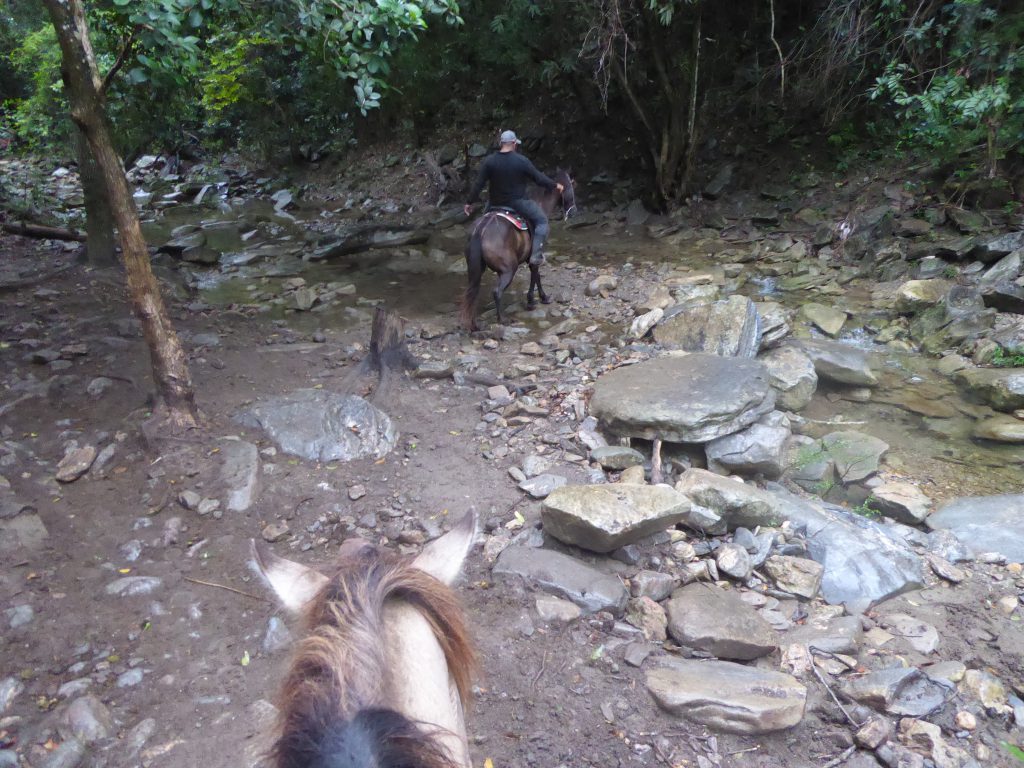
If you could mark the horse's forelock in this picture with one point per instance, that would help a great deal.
(336, 674)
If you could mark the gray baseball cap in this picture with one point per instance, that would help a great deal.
(509, 137)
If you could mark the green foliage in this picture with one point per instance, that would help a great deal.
(950, 272)
(864, 509)
(956, 78)
(1003, 359)
(1017, 752)
(38, 117)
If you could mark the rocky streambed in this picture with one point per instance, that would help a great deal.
(769, 477)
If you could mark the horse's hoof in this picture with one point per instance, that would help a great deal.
(545, 299)
(531, 305)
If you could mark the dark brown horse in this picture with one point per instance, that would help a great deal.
(383, 675)
(497, 243)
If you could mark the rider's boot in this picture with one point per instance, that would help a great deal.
(537, 254)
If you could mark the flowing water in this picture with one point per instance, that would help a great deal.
(925, 418)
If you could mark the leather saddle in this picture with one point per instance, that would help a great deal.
(512, 217)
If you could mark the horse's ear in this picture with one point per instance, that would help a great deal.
(294, 584)
(442, 558)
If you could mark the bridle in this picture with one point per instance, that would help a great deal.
(566, 212)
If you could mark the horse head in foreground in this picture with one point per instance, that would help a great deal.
(496, 243)
(383, 674)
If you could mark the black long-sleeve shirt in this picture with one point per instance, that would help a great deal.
(508, 173)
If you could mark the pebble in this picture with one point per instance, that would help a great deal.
(10, 689)
(189, 500)
(134, 585)
(130, 678)
(277, 637)
(966, 721)
(555, 610)
(1007, 605)
(206, 506)
(76, 463)
(19, 615)
(356, 492)
(275, 531)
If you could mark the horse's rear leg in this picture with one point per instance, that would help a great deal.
(504, 280)
(535, 281)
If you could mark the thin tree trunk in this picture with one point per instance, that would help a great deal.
(170, 371)
(99, 218)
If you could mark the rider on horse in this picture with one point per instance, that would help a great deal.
(508, 173)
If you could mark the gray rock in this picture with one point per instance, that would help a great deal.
(721, 503)
(239, 473)
(534, 465)
(189, 500)
(601, 284)
(617, 457)
(718, 183)
(734, 560)
(603, 518)
(695, 398)
(10, 689)
(324, 426)
(897, 690)
(1007, 269)
(73, 688)
(840, 363)
(76, 463)
(728, 697)
(796, 575)
(791, 372)
(68, 754)
(277, 637)
(565, 576)
(19, 616)
(87, 719)
(1005, 297)
(840, 634)
(98, 386)
(865, 562)
(22, 533)
(555, 610)
(1003, 389)
(919, 635)
(774, 323)
(855, 454)
(130, 678)
(134, 585)
(1000, 429)
(759, 449)
(541, 486)
(729, 328)
(917, 295)
(433, 369)
(717, 621)
(994, 249)
(653, 584)
(643, 323)
(901, 501)
(828, 319)
(985, 523)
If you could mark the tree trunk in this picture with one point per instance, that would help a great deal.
(387, 342)
(170, 371)
(99, 218)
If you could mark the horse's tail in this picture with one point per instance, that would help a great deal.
(332, 711)
(474, 273)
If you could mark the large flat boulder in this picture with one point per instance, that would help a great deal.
(865, 561)
(840, 363)
(985, 523)
(728, 697)
(717, 621)
(856, 455)
(602, 518)
(1002, 388)
(689, 399)
(758, 449)
(564, 576)
(323, 426)
(729, 327)
(721, 503)
(791, 372)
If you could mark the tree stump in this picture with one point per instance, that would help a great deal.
(387, 343)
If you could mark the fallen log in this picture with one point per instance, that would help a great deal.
(41, 231)
(372, 236)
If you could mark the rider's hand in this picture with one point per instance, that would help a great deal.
(560, 188)
(468, 209)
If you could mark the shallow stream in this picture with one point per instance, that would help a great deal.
(922, 414)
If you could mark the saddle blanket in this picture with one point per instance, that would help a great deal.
(513, 218)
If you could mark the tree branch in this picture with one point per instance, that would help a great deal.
(121, 58)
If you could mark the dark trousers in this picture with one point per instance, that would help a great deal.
(538, 221)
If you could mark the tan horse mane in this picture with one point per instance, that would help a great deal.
(338, 668)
